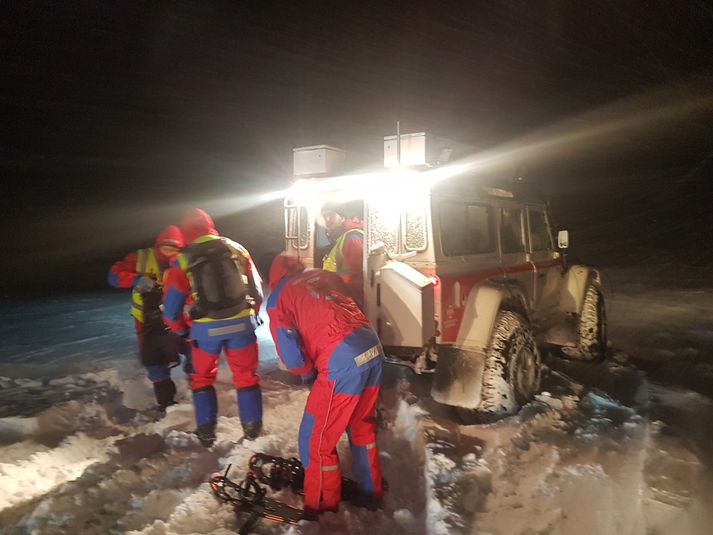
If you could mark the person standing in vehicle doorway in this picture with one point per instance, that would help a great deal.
(143, 271)
(217, 277)
(344, 227)
(321, 334)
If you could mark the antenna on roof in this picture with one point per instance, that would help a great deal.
(398, 143)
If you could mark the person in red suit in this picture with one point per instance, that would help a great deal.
(320, 332)
(224, 299)
(144, 271)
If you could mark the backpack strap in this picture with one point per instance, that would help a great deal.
(141, 262)
(147, 264)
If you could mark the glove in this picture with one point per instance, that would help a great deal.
(185, 350)
(145, 285)
(309, 377)
(188, 368)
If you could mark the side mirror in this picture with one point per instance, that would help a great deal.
(563, 239)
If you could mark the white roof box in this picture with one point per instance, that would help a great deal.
(317, 160)
(421, 148)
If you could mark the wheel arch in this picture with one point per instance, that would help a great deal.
(481, 309)
(577, 279)
(459, 372)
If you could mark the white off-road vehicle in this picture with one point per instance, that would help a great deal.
(462, 278)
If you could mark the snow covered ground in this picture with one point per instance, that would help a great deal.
(604, 449)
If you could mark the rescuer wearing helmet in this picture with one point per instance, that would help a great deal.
(344, 228)
(217, 277)
(143, 271)
(319, 330)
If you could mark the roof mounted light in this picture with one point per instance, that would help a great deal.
(499, 192)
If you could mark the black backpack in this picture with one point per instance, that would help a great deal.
(217, 280)
(152, 299)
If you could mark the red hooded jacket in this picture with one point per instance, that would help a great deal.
(197, 224)
(124, 273)
(311, 311)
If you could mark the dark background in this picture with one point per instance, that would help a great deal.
(117, 116)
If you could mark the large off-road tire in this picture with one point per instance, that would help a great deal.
(592, 326)
(511, 374)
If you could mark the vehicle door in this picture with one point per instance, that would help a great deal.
(467, 255)
(547, 265)
(516, 264)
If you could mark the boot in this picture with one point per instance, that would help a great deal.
(165, 391)
(206, 434)
(252, 430)
(250, 410)
(205, 402)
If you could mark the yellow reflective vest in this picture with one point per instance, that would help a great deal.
(334, 260)
(146, 266)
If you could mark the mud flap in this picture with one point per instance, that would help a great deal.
(458, 377)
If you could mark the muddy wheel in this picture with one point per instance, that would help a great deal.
(511, 375)
(592, 326)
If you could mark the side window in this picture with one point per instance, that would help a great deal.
(539, 232)
(511, 230)
(480, 226)
(297, 227)
(466, 229)
(415, 237)
(383, 225)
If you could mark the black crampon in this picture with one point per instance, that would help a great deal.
(280, 473)
(249, 497)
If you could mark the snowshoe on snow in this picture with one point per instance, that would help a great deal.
(279, 473)
(158, 411)
(248, 498)
(152, 414)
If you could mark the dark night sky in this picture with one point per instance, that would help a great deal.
(118, 115)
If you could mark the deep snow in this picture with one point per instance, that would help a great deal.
(603, 449)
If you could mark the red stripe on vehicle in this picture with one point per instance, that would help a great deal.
(454, 294)
(453, 298)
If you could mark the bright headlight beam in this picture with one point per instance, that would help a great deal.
(626, 119)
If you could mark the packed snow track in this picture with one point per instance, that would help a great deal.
(601, 450)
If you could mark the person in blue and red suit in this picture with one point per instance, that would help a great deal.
(143, 271)
(209, 337)
(320, 331)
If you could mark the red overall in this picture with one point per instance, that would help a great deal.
(235, 335)
(318, 328)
